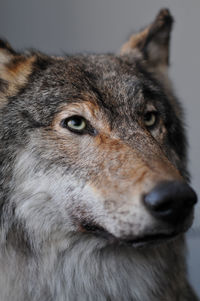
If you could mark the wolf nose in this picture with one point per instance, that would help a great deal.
(171, 201)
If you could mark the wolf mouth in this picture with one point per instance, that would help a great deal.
(152, 239)
(137, 242)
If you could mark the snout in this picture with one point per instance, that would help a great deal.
(171, 202)
(165, 212)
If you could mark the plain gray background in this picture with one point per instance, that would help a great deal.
(102, 26)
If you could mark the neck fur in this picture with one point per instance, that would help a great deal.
(87, 270)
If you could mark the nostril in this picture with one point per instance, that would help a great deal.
(163, 206)
(170, 200)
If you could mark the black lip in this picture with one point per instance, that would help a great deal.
(149, 239)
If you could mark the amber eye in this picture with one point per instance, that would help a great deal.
(150, 119)
(75, 124)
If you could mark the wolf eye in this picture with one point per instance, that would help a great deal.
(150, 119)
(75, 124)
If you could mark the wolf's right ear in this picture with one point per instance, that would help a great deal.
(153, 42)
(14, 70)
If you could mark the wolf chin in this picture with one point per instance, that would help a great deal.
(94, 191)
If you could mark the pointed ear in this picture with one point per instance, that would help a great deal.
(153, 42)
(14, 70)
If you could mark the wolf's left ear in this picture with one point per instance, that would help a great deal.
(153, 42)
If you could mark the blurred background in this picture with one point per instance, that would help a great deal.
(73, 26)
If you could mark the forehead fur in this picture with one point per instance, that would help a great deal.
(111, 75)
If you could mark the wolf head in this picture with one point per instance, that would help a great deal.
(94, 144)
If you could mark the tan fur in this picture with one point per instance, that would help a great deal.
(135, 41)
(122, 168)
(14, 70)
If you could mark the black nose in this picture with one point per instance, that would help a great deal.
(171, 201)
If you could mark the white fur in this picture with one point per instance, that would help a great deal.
(66, 265)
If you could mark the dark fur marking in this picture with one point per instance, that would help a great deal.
(17, 238)
(32, 123)
(5, 45)
(42, 63)
(3, 85)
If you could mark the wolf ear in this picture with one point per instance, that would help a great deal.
(14, 70)
(153, 42)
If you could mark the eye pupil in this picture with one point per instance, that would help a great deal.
(148, 116)
(76, 122)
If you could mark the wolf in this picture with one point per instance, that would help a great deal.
(94, 188)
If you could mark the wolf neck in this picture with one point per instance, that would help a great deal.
(85, 271)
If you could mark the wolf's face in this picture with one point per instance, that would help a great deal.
(95, 144)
